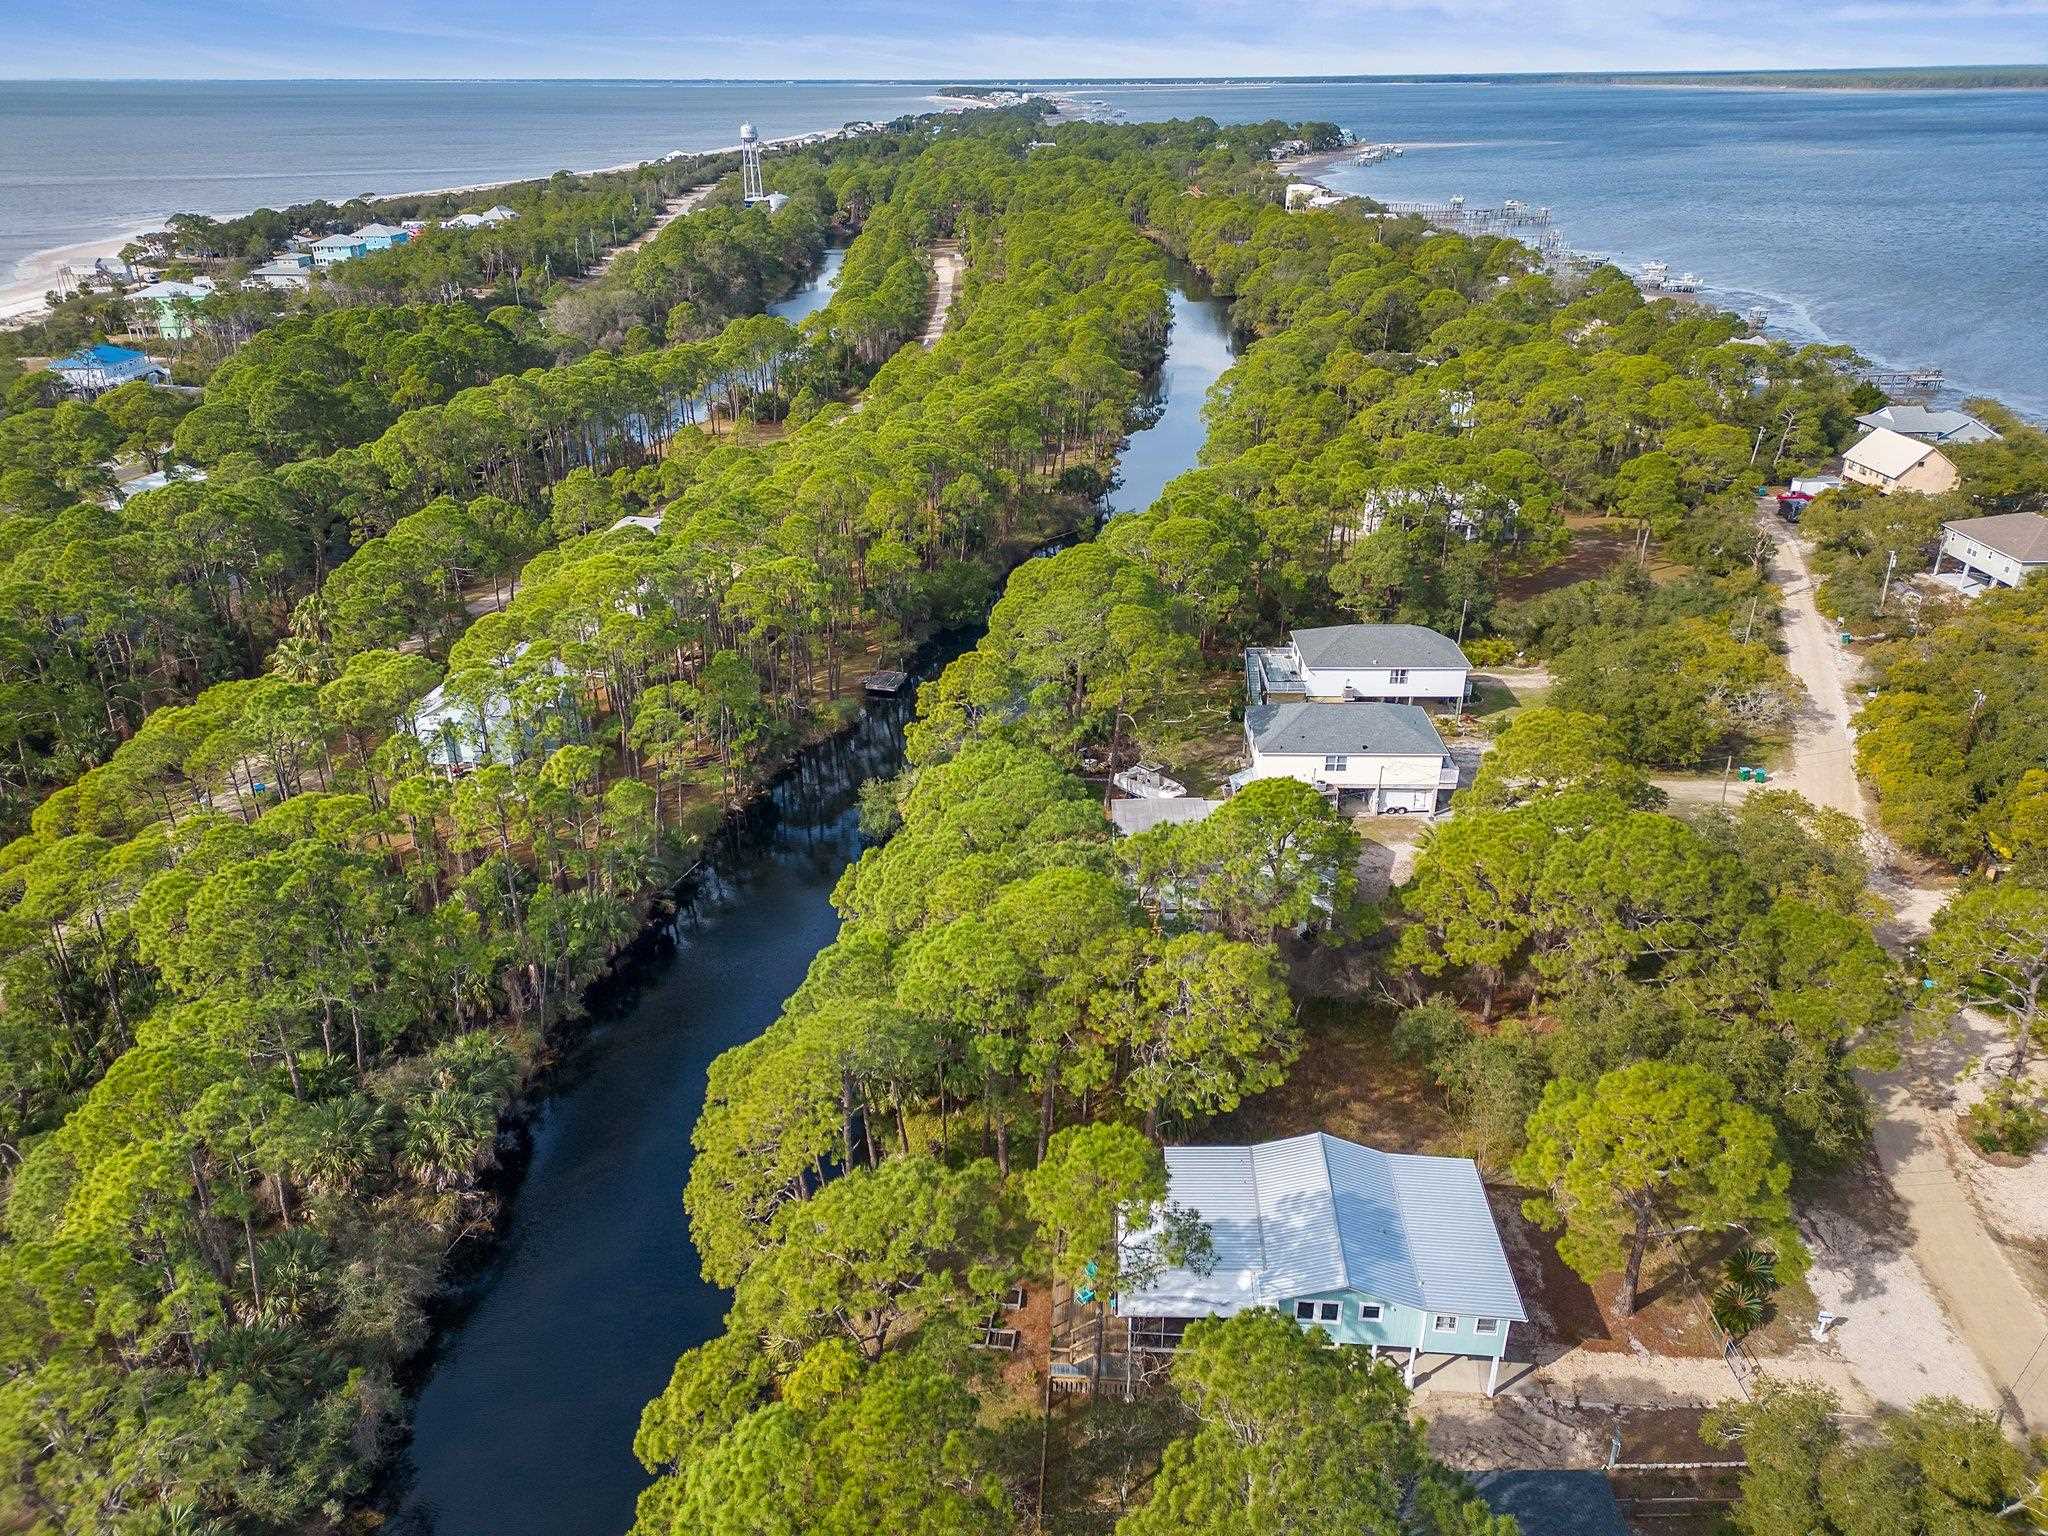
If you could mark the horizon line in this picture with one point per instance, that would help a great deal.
(1019, 81)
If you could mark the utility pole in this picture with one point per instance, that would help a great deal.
(1725, 772)
(1463, 608)
(1884, 591)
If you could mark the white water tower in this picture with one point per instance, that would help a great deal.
(750, 164)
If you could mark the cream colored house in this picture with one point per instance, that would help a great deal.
(1892, 461)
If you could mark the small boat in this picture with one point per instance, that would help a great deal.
(1655, 273)
(1686, 282)
(1144, 781)
(884, 684)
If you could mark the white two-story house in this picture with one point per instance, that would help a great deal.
(1388, 753)
(1353, 663)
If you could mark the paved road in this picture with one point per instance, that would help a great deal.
(1999, 1319)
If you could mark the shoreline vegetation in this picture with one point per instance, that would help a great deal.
(272, 979)
(23, 292)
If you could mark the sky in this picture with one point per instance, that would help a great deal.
(981, 39)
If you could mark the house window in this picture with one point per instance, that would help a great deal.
(1329, 1311)
(1486, 1325)
(1370, 1311)
(1446, 1322)
(1336, 763)
(1397, 676)
(1304, 1311)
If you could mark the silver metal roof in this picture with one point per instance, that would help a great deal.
(1377, 645)
(1134, 816)
(1355, 730)
(1314, 1214)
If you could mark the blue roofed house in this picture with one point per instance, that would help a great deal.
(94, 370)
(1381, 1250)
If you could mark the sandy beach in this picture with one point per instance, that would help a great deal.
(22, 291)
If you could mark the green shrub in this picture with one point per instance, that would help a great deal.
(1738, 1311)
(1752, 1269)
(2010, 1118)
(1493, 651)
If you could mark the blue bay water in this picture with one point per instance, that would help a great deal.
(1908, 224)
(93, 160)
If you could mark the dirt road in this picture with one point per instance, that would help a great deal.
(1946, 1239)
(672, 210)
(1822, 763)
(947, 265)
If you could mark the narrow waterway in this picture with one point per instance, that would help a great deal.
(525, 1424)
(817, 288)
(1199, 348)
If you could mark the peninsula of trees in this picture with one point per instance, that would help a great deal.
(270, 976)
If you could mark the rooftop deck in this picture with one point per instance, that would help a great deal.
(1270, 671)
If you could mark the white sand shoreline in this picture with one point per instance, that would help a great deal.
(22, 293)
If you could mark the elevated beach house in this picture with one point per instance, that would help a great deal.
(1893, 462)
(332, 250)
(1380, 1250)
(381, 237)
(1389, 753)
(286, 270)
(94, 370)
(1929, 426)
(1340, 663)
(166, 309)
(1998, 551)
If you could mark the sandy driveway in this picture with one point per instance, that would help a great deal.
(1940, 1243)
(947, 265)
(1822, 764)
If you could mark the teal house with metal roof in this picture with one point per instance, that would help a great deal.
(1383, 1250)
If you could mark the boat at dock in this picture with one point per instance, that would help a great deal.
(1656, 274)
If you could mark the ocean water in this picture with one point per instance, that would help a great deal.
(1907, 224)
(84, 161)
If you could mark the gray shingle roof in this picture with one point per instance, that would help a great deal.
(1356, 730)
(1313, 1214)
(1935, 426)
(1377, 645)
(2022, 535)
